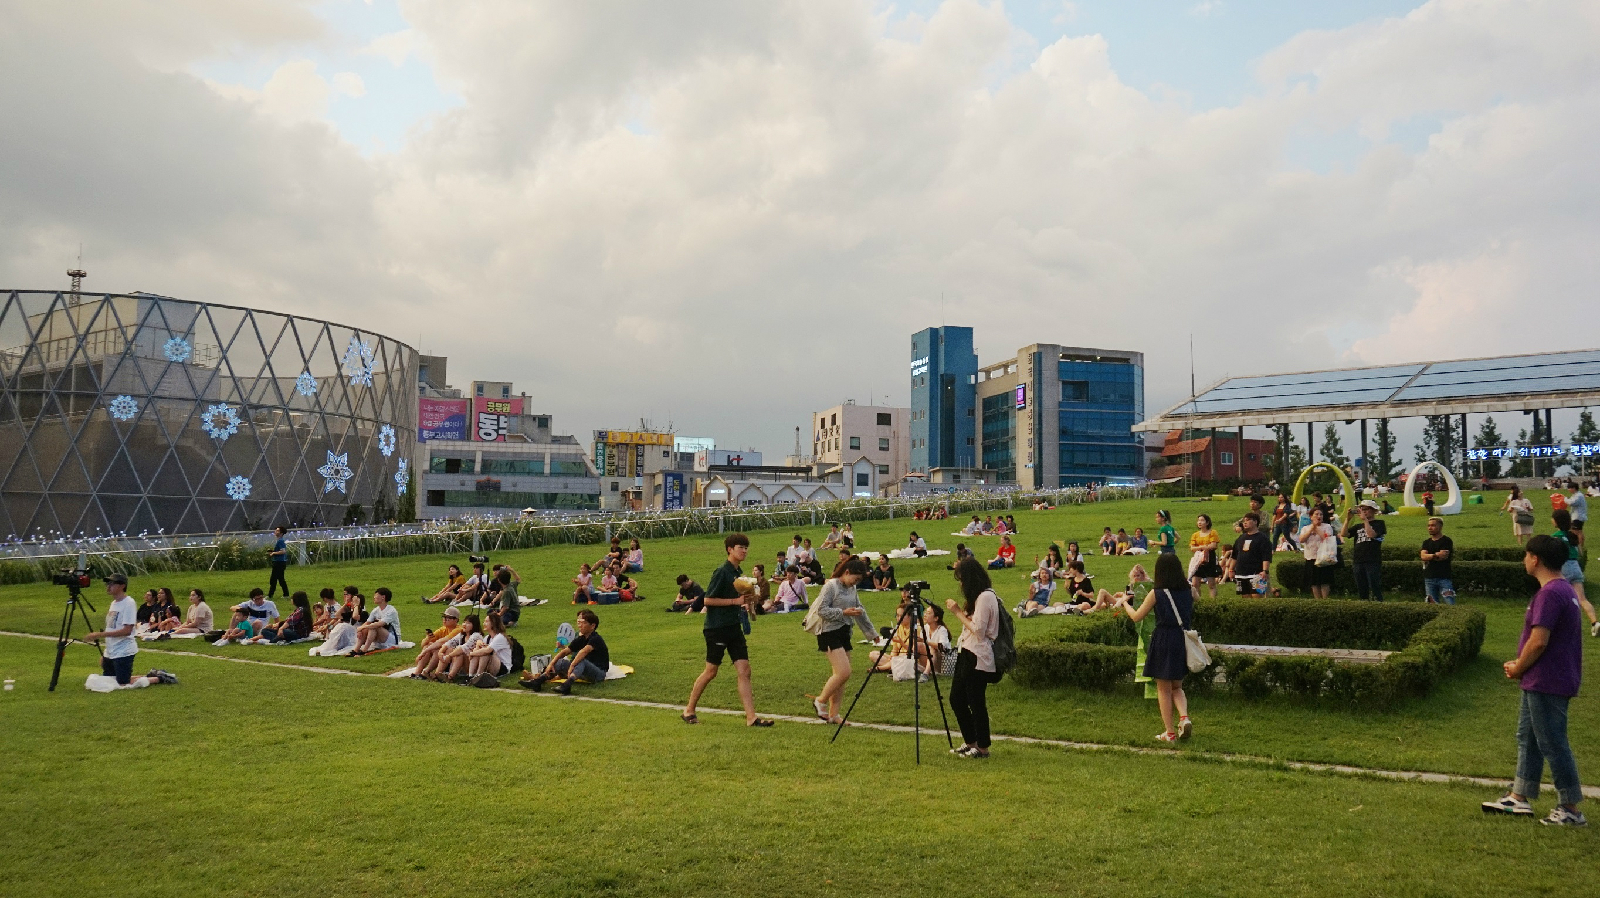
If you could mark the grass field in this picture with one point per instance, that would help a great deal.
(254, 780)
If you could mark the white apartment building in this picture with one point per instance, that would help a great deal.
(868, 443)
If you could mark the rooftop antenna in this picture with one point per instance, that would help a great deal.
(77, 274)
(797, 442)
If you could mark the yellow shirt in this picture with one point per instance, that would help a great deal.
(1204, 541)
(456, 581)
(444, 633)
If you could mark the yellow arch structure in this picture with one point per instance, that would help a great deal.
(1349, 488)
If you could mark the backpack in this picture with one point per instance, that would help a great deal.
(485, 681)
(518, 656)
(1005, 643)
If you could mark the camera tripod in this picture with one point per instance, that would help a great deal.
(75, 602)
(916, 632)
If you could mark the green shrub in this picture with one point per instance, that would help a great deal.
(1485, 578)
(1428, 641)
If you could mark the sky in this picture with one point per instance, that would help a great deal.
(728, 215)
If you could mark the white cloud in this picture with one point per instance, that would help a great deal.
(815, 177)
(349, 84)
(1206, 8)
(396, 46)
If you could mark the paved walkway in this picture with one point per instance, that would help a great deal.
(1420, 776)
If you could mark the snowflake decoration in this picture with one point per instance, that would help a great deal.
(305, 384)
(358, 358)
(386, 440)
(123, 408)
(177, 350)
(238, 488)
(400, 478)
(220, 430)
(336, 472)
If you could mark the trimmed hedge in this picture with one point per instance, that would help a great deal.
(1428, 641)
(1412, 553)
(1483, 578)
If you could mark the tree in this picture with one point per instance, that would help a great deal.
(1489, 438)
(1587, 434)
(1297, 457)
(1438, 442)
(1385, 467)
(408, 502)
(1332, 451)
(1522, 467)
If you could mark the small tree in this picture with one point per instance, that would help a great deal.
(1522, 467)
(408, 502)
(1332, 450)
(1297, 457)
(1587, 433)
(1386, 464)
(1489, 438)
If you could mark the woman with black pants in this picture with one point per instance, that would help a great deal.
(980, 624)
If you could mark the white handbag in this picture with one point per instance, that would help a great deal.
(1193, 647)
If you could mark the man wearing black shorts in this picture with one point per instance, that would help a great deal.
(724, 634)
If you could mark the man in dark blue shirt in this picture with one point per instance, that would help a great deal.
(280, 562)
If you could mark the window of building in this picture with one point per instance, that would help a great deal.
(436, 497)
(969, 441)
(833, 420)
(1227, 458)
(614, 486)
(883, 444)
(505, 392)
(971, 413)
(855, 442)
(883, 470)
(885, 419)
(446, 465)
(493, 465)
(1074, 391)
(863, 478)
(1250, 455)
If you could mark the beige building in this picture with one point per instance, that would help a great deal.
(857, 440)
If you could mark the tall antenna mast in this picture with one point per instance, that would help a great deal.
(797, 443)
(77, 274)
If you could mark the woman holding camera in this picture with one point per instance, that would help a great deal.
(838, 607)
(980, 624)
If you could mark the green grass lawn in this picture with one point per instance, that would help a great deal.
(266, 781)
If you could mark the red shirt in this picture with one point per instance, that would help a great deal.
(1008, 552)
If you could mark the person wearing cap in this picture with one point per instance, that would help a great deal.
(1367, 556)
(435, 641)
(116, 659)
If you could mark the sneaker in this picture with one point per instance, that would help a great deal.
(220, 643)
(822, 708)
(1594, 628)
(960, 749)
(1563, 817)
(165, 677)
(1185, 728)
(1505, 804)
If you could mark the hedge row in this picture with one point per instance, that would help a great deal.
(1429, 642)
(1483, 578)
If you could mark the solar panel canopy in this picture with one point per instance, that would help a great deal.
(1465, 386)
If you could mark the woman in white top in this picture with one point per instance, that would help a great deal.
(980, 624)
(493, 656)
(1311, 539)
(1517, 504)
(839, 608)
(199, 619)
(452, 658)
(634, 562)
(932, 651)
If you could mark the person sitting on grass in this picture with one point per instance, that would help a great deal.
(1138, 585)
(493, 656)
(1140, 544)
(240, 629)
(1052, 561)
(357, 603)
(918, 545)
(260, 609)
(847, 537)
(168, 617)
(453, 582)
(691, 597)
(382, 627)
(1001, 528)
(831, 541)
(893, 642)
(1011, 524)
(199, 619)
(973, 528)
(883, 574)
(932, 650)
(296, 626)
(633, 562)
(1072, 553)
(1039, 592)
(627, 587)
(342, 637)
(961, 552)
(791, 593)
(608, 581)
(325, 614)
(476, 587)
(1108, 542)
(583, 595)
(585, 658)
(145, 616)
(763, 598)
(1123, 543)
(453, 655)
(1005, 556)
(1079, 586)
(435, 641)
(613, 553)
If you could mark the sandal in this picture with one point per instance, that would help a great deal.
(688, 718)
(1185, 728)
(1168, 738)
(760, 722)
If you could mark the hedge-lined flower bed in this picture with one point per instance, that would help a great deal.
(1481, 578)
(1428, 641)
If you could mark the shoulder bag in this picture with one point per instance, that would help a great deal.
(1194, 648)
(813, 623)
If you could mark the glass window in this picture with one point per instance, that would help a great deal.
(1074, 391)
(885, 419)
(863, 478)
(883, 444)
(493, 465)
(855, 442)
(1227, 458)
(883, 470)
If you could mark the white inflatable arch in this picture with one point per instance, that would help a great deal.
(1451, 505)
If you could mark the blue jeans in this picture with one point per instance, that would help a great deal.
(587, 670)
(1440, 590)
(1369, 579)
(1541, 737)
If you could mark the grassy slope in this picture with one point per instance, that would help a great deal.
(1465, 727)
(410, 788)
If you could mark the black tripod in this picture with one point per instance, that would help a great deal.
(75, 601)
(917, 631)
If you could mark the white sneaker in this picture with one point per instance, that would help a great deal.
(822, 708)
(220, 643)
(1594, 628)
(1563, 817)
(1505, 804)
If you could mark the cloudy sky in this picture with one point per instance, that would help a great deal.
(729, 214)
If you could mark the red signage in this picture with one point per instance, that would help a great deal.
(491, 418)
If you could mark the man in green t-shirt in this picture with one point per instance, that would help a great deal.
(724, 633)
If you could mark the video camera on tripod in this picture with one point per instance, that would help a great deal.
(72, 578)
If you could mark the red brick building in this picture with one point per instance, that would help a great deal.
(1216, 455)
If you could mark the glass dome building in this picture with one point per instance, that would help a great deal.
(143, 413)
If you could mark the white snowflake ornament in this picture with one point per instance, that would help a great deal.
(336, 472)
(238, 488)
(358, 359)
(386, 440)
(177, 350)
(400, 478)
(305, 384)
(123, 408)
(220, 421)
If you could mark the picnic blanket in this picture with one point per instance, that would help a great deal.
(907, 553)
(152, 635)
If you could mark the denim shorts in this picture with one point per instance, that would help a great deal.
(1572, 571)
(1439, 590)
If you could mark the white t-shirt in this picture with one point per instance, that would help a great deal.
(502, 650)
(388, 615)
(124, 612)
(940, 636)
(264, 611)
(919, 543)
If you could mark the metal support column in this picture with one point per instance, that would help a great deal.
(1311, 444)
(1366, 462)
(1238, 458)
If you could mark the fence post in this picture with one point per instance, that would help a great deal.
(608, 532)
(813, 517)
(891, 511)
(476, 547)
(720, 519)
(300, 554)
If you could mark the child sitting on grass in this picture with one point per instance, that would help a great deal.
(240, 628)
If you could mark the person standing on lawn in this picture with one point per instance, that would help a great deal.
(1437, 584)
(840, 610)
(1166, 536)
(1578, 505)
(724, 633)
(1252, 556)
(975, 670)
(279, 557)
(1549, 665)
(1572, 571)
(1167, 655)
(1366, 561)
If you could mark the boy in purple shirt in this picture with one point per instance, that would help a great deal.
(1549, 663)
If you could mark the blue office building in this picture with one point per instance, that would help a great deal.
(944, 424)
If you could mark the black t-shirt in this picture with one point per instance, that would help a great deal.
(1252, 552)
(883, 573)
(1438, 569)
(598, 653)
(1081, 590)
(147, 614)
(721, 587)
(1367, 551)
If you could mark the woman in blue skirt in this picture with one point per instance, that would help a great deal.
(1166, 660)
